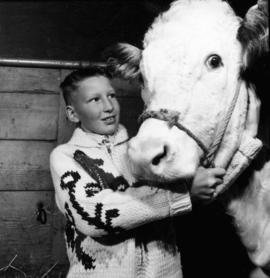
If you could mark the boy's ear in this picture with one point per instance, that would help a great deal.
(71, 114)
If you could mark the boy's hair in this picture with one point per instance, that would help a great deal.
(71, 81)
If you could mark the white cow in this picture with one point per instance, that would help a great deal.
(197, 103)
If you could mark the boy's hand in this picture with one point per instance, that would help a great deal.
(204, 183)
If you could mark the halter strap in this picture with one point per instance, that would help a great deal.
(172, 117)
(222, 128)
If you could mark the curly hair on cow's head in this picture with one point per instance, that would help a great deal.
(123, 60)
(254, 36)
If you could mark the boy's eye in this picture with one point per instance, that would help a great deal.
(112, 95)
(95, 99)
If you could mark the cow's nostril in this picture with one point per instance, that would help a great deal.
(156, 160)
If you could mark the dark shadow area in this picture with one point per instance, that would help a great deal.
(210, 246)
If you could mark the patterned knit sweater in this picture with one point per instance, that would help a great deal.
(116, 227)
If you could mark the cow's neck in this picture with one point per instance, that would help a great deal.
(248, 202)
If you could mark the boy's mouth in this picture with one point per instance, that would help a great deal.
(109, 120)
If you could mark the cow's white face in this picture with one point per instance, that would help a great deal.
(190, 63)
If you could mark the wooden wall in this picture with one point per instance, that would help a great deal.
(32, 123)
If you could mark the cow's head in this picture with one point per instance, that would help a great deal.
(191, 66)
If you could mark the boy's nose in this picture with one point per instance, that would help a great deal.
(108, 106)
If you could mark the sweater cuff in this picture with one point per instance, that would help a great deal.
(179, 203)
(247, 151)
(250, 147)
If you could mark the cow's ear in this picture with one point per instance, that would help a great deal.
(254, 36)
(123, 60)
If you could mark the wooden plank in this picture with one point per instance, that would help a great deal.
(24, 165)
(22, 179)
(28, 116)
(22, 235)
(25, 79)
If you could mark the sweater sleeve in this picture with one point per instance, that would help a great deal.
(97, 211)
(247, 151)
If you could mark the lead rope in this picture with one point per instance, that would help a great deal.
(172, 118)
(209, 160)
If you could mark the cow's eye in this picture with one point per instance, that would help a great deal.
(214, 61)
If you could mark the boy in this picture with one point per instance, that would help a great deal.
(116, 226)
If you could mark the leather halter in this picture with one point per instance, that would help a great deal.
(172, 117)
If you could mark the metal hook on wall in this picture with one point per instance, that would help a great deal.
(41, 213)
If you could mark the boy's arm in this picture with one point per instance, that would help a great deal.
(99, 212)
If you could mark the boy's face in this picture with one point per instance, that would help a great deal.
(94, 104)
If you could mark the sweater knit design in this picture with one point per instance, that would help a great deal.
(74, 241)
(103, 179)
(96, 220)
(115, 226)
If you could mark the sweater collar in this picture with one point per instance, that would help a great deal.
(90, 139)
